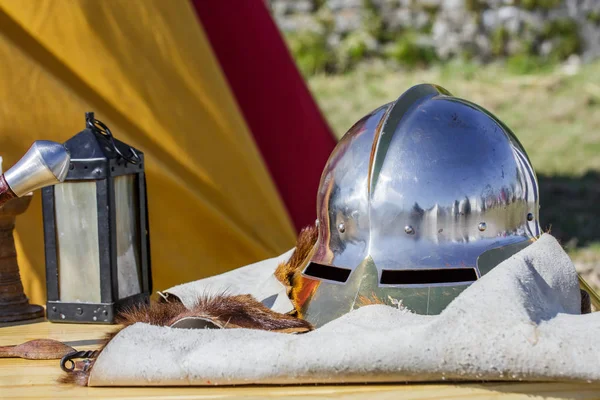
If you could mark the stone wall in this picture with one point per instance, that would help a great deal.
(336, 34)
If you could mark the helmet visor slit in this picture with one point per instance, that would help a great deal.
(428, 276)
(327, 272)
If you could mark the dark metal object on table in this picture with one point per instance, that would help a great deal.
(68, 365)
(96, 230)
(44, 164)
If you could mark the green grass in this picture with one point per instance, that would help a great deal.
(555, 116)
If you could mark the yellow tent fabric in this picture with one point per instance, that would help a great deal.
(147, 70)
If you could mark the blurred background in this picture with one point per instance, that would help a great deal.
(237, 105)
(533, 63)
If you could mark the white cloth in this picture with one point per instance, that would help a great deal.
(520, 321)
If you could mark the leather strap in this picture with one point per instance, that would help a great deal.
(6, 192)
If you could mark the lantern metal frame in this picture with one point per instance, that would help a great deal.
(88, 165)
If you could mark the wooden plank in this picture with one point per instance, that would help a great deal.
(38, 379)
(13, 333)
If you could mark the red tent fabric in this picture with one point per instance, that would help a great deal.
(290, 131)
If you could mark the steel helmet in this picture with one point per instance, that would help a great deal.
(418, 200)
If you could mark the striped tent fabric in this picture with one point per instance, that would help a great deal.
(233, 140)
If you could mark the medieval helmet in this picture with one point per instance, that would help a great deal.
(418, 200)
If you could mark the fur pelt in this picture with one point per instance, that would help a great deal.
(226, 312)
(288, 273)
(240, 311)
(286, 270)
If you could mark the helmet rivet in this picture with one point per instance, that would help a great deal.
(482, 226)
(409, 230)
(342, 228)
(530, 217)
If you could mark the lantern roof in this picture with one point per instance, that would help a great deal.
(95, 155)
(88, 144)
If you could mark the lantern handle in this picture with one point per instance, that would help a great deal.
(100, 128)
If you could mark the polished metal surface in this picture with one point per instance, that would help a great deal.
(45, 163)
(428, 183)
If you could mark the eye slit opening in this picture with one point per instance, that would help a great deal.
(327, 272)
(427, 276)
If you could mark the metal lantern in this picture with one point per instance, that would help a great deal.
(96, 230)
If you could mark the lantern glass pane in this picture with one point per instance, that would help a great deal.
(77, 241)
(128, 235)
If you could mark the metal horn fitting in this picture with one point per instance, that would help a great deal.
(45, 163)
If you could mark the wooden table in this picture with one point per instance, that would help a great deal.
(37, 379)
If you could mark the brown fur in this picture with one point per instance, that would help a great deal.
(157, 313)
(299, 285)
(285, 271)
(243, 311)
(289, 272)
(77, 377)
